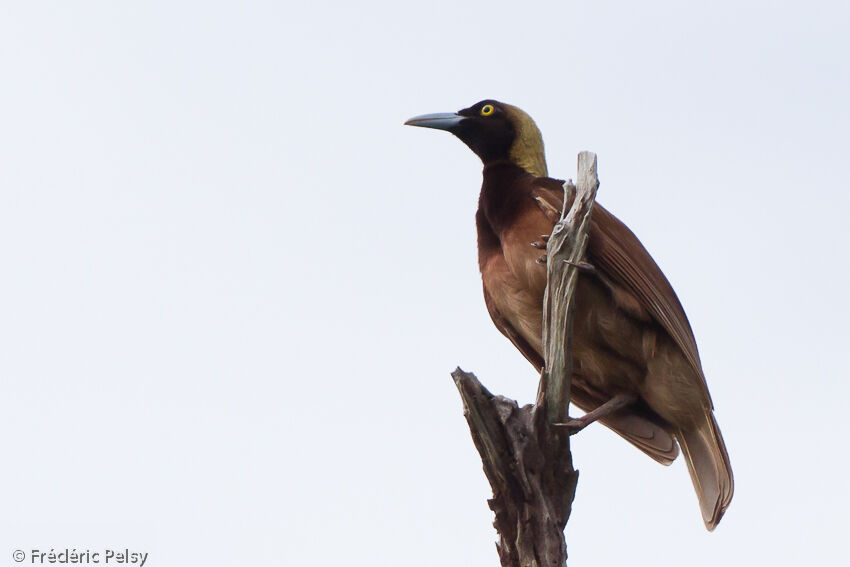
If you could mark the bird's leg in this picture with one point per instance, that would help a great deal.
(619, 401)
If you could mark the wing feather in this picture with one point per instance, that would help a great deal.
(616, 251)
(639, 431)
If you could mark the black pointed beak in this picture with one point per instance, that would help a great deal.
(439, 121)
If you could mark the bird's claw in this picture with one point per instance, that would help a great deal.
(544, 239)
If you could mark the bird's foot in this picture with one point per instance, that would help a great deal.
(544, 238)
(618, 402)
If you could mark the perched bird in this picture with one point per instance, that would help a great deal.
(635, 362)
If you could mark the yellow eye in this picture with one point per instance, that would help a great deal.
(487, 110)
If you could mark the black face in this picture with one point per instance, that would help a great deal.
(486, 129)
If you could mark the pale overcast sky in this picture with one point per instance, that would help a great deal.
(234, 285)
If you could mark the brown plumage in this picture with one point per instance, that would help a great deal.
(631, 337)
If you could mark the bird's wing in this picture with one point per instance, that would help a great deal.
(508, 330)
(636, 429)
(616, 251)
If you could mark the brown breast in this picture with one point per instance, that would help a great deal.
(608, 344)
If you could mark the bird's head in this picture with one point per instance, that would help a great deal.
(495, 131)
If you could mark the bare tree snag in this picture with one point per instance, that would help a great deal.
(526, 456)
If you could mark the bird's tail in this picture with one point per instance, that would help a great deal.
(708, 463)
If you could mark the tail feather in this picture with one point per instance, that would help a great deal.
(708, 462)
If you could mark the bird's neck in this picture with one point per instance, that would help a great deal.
(504, 193)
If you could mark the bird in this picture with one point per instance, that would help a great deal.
(636, 367)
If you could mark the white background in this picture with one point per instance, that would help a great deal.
(234, 285)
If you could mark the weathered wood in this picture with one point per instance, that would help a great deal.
(564, 254)
(526, 456)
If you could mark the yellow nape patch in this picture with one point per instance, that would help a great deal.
(527, 149)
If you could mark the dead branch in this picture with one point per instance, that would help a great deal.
(526, 459)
